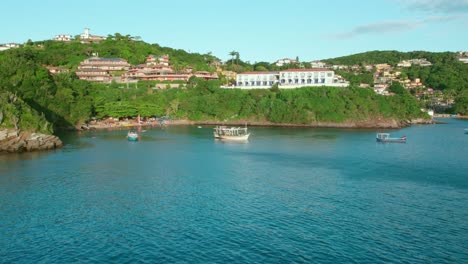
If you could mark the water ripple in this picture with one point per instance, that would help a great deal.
(287, 196)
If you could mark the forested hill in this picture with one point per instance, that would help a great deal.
(445, 73)
(69, 55)
(392, 57)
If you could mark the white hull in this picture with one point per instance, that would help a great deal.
(233, 138)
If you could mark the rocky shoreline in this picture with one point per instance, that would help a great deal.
(14, 141)
(379, 123)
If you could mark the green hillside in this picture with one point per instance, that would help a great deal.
(66, 102)
(69, 55)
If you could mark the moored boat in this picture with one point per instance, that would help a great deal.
(132, 136)
(385, 138)
(231, 133)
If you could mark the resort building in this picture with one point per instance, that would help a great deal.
(63, 37)
(147, 72)
(289, 79)
(100, 69)
(158, 60)
(158, 68)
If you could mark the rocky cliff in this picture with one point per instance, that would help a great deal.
(14, 141)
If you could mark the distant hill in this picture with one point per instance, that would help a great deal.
(70, 54)
(392, 57)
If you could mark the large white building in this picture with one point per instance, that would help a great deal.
(288, 79)
(256, 80)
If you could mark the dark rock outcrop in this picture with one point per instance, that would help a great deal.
(14, 141)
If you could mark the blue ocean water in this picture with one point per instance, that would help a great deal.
(289, 195)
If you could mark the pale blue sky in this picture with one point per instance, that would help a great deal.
(260, 30)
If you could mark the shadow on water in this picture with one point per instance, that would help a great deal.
(322, 136)
(10, 157)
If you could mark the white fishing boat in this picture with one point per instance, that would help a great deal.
(385, 138)
(231, 133)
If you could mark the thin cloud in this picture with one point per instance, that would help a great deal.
(389, 27)
(436, 6)
(377, 28)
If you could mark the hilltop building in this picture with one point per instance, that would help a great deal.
(288, 79)
(86, 37)
(285, 61)
(100, 69)
(7, 46)
(63, 37)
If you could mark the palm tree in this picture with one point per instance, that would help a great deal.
(237, 58)
(232, 54)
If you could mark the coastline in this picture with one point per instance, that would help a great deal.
(364, 124)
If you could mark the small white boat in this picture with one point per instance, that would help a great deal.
(231, 133)
(132, 136)
(385, 138)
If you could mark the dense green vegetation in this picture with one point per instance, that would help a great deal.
(66, 101)
(15, 113)
(32, 99)
(446, 73)
(357, 78)
(391, 57)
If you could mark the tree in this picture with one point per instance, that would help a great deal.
(397, 88)
(232, 54)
